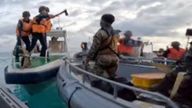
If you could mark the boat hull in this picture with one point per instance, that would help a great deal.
(32, 75)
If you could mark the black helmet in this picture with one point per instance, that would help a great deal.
(175, 44)
(41, 8)
(26, 14)
(128, 33)
(109, 18)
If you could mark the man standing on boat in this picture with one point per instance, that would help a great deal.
(41, 24)
(23, 31)
(102, 50)
(175, 53)
(39, 28)
(128, 46)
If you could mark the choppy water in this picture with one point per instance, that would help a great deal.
(44, 95)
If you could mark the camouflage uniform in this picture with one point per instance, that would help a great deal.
(102, 52)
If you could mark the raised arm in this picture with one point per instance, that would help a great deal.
(64, 11)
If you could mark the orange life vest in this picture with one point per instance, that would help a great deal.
(49, 26)
(124, 49)
(39, 28)
(43, 27)
(26, 28)
(175, 54)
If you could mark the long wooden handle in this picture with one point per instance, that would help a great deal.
(64, 11)
(179, 79)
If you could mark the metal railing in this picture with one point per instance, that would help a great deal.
(143, 59)
(115, 85)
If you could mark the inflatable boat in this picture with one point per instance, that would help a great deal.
(79, 88)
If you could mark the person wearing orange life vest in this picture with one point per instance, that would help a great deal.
(40, 26)
(175, 53)
(23, 31)
(126, 46)
(122, 47)
(184, 93)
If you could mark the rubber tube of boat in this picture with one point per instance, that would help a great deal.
(69, 100)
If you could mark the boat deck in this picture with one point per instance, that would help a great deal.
(39, 61)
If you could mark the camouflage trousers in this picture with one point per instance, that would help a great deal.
(106, 66)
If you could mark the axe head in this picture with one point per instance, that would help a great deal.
(66, 13)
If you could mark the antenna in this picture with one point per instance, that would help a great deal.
(188, 34)
(59, 23)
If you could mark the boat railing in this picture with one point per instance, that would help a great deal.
(57, 33)
(140, 59)
(117, 85)
(61, 44)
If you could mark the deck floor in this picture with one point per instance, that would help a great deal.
(39, 61)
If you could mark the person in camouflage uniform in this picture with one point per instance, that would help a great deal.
(102, 50)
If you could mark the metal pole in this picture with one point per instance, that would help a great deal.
(188, 38)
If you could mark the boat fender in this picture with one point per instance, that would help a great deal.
(69, 100)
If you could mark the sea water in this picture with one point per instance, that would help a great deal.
(43, 95)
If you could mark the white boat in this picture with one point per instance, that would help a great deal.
(42, 68)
